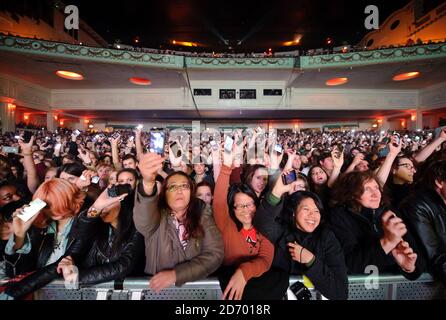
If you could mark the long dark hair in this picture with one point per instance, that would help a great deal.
(124, 230)
(192, 222)
(233, 190)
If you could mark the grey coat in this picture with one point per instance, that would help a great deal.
(162, 245)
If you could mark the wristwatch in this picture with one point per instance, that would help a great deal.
(93, 212)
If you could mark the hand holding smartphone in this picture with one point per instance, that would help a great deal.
(289, 178)
(156, 143)
(34, 208)
(228, 144)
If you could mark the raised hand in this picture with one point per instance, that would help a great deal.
(279, 187)
(85, 179)
(394, 146)
(104, 201)
(149, 165)
(20, 227)
(27, 148)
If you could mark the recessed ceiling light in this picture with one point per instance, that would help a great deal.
(140, 81)
(406, 76)
(69, 75)
(336, 81)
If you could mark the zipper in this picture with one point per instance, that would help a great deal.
(374, 221)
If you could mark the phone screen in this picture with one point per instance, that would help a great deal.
(228, 144)
(214, 145)
(156, 144)
(290, 177)
(278, 148)
(10, 150)
(174, 148)
(34, 207)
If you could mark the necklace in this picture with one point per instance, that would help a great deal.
(57, 241)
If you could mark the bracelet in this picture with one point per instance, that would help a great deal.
(27, 154)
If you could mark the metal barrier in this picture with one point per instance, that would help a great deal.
(390, 288)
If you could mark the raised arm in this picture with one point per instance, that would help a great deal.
(430, 148)
(145, 212)
(115, 153)
(32, 179)
(384, 169)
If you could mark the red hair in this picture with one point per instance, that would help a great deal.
(63, 200)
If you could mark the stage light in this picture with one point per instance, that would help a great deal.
(336, 81)
(26, 117)
(406, 76)
(69, 75)
(413, 117)
(140, 81)
(11, 106)
(61, 123)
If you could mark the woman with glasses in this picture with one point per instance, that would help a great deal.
(182, 242)
(245, 273)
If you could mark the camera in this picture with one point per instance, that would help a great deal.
(119, 189)
(300, 291)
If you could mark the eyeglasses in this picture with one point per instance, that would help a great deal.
(175, 187)
(244, 206)
(408, 166)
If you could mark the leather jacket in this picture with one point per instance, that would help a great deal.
(35, 260)
(425, 214)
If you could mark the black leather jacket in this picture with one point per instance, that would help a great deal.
(425, 214)
(101, 265)
(41, 249)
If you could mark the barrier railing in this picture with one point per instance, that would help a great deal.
(387, 287)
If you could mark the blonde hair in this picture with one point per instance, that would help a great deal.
(63, 200)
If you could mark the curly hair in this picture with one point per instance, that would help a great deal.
(349, 188)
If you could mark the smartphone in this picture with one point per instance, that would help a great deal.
(437, 132)
(174, 147)
(95, 179)
(131, 138)
(213, 145)
(382, 153)
(278, 148)
(398, 139)
(58, 146)
(76, 132)
(156, 143)
(116, 135)
(10, 150)
(34, 207)
(27, 136)
(17, 137)
(289, 178)
(101, 136)
(118, 189)
(228, 144)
